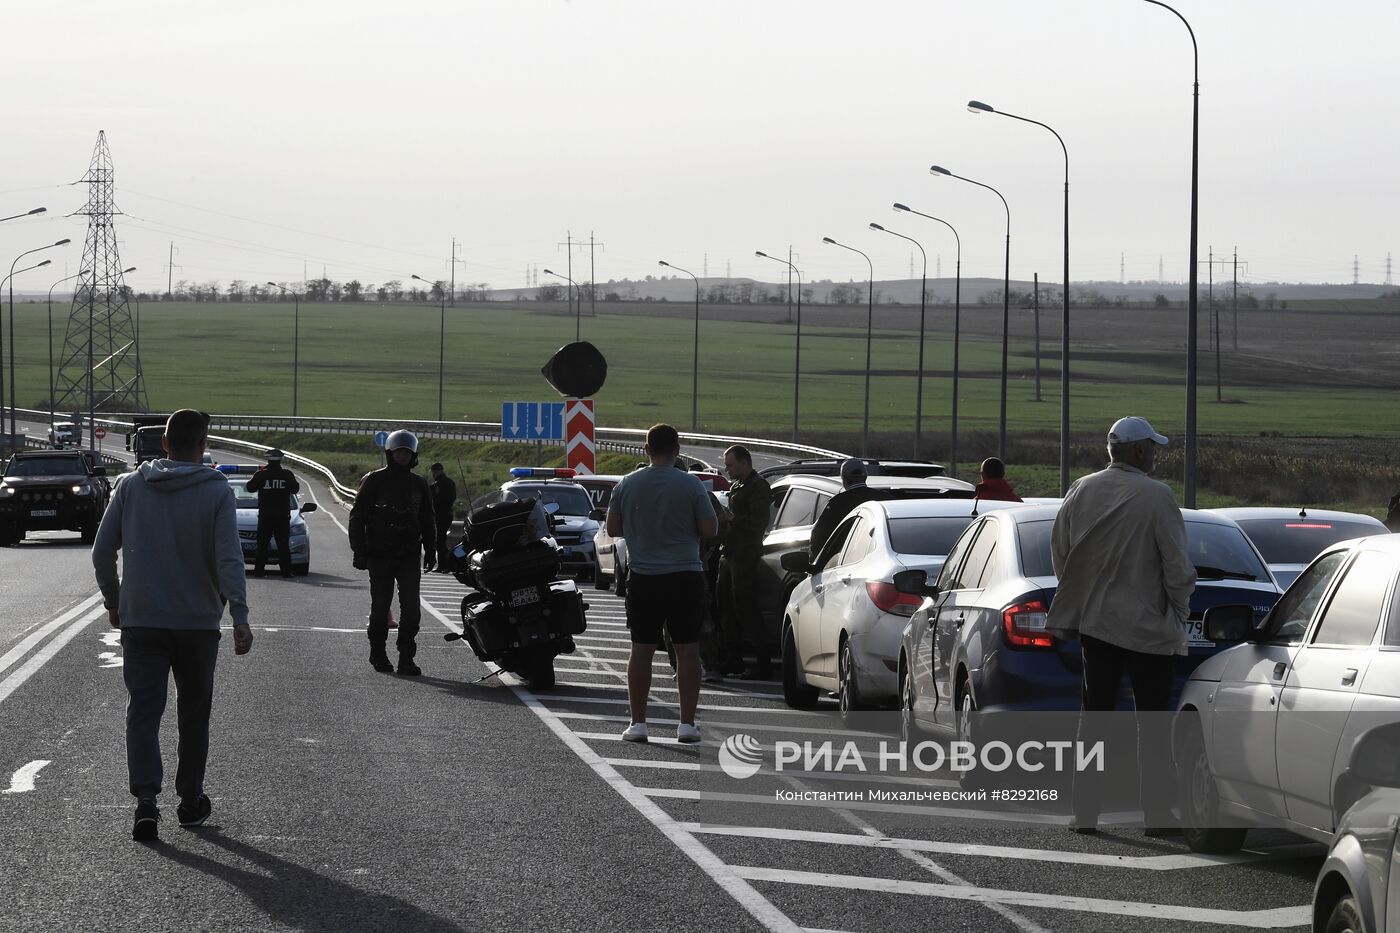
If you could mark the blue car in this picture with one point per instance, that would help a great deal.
(981, 643)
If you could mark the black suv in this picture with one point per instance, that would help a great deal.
(46, 490)
(831, 467)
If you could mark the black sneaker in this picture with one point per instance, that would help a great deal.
(381, 663)
(408, 669)
(194, 814)
(146, 827)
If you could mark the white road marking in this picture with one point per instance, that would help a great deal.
(721, 707)
(311, 491)
(22, 781)
(778, 727)
(39, 634)
(109, 659)
(1139, 862)
(27, 670)
(1269, 919)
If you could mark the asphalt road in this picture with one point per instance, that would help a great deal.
(346, 800)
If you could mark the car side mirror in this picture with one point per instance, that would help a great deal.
(310, 507)
(1229, 623)
(598, 515)
(1376, 758)
(914, 583)
(795, 562)
(99, 471)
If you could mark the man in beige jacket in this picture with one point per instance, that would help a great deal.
(1125, 580)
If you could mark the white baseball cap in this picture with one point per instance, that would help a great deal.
(1131, 429)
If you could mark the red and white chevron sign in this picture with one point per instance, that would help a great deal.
(578, 429)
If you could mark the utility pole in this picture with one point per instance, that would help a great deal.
(1037, 336)
(1235, 301)
(1355, 269)
(452, 288)
(1120, 268)
(593, 276)
(170, 271)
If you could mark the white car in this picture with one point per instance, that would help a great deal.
(1290, 538)
(247, 503)
(1264, 730)
(842, 626)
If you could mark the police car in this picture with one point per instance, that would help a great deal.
(247, 502)
(575, 523)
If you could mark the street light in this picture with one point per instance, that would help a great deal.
(37, 210)
(296, 339)
(1189, 480)
(919, 379)
(578, 324)
(695, 359)
(1005, 302)
(442, 337)
(957, 325)
(79, 274)
(63, 242)
(797, 343)
(869, 321)
(976, 106)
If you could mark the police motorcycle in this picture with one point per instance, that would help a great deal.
(520, 617)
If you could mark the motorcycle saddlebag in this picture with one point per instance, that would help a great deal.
(485, 523)
(502, 571)
(566, 609)
(486, 628)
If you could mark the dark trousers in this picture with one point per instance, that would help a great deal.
(270, 527)
(384, 574)
(444, 525)
(737, 594)
(1105, 665)
(149, 656)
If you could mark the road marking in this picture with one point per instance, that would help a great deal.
(109, 659)
(22, 781)
(322, 509)
(1269, 919)
(38, 635)
(778, 727)
(721, 707)
(27, 670)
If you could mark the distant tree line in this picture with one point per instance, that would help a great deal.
(322, 289)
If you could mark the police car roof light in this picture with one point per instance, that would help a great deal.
(546, 472)
(237, 468)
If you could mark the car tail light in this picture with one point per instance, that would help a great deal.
(1024, 624)
(888, 599)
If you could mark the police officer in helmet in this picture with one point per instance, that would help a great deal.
(275, 487)
(390, 524)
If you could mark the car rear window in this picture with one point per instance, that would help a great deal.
(1299, 540)
(927, 535)
(1034, 541)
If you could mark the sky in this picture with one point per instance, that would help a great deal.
(358, 139)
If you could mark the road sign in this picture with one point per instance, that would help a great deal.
(381, 438)
(580, 448)
(99, 433)
(532, 421)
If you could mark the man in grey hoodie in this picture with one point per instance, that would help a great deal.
(175, 522)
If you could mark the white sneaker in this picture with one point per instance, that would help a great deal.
(687, 733)
(637, 732)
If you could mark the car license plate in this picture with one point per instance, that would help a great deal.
(43, 513)
(1196, 634)
(524, 596)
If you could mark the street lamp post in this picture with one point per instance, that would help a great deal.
(578, 323)
(919, 379)
(77, 275)
(1189, 479)
(442, 339)
(695, 358)
(1005, 302)
(296, 339)
(797, 343)
(976, 106)
(957, 327)
(37, 210)
(13, 402)
(869, 327)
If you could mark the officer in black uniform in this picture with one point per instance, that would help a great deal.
(275, 487)
(390, 523)
(444, 495)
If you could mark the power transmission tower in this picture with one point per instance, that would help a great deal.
(1120, 268)
(705, 266)
(593, 276)
(1159, 268)
(1387, 269)
(170, 270)
(452, 287)
(1355, 270)
(101, 363)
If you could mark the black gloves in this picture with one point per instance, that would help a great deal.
(359, 562)
(429, 562)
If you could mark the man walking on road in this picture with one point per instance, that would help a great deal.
(1125, 581)
(391, 521)
(444, 496)
(663, 513)
(176, 524)
(275, 487)
(741, 553)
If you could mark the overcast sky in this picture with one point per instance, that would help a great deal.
(361, 137)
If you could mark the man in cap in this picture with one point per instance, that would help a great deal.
(1125, 581)
(390, 523)
(853, 493)
(275, 487)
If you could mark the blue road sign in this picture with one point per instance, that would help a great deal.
(381, 438)
(532, 421)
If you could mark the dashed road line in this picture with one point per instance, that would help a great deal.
(27, 670)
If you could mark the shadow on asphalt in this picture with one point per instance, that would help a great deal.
(300, 898)
(490, 690)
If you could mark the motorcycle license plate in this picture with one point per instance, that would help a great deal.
(43, 513)
(1196, 634)
(525, 596)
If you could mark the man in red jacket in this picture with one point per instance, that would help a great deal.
(994, 484)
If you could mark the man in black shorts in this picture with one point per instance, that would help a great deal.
(663, 513)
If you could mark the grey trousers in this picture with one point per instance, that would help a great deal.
(149, 657)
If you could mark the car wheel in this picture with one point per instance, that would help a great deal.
(1345, 917)
(848, 683)
(601, 581)
(967, 714)
(621, 588)
(1200, 800)
(797, 694)
(89, 532)
(301, 570)
(908, 726)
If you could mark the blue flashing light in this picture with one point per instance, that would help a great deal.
(239, 469)
(542, 472)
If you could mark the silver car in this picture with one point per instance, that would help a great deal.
(299, 541)
(1290, 538)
